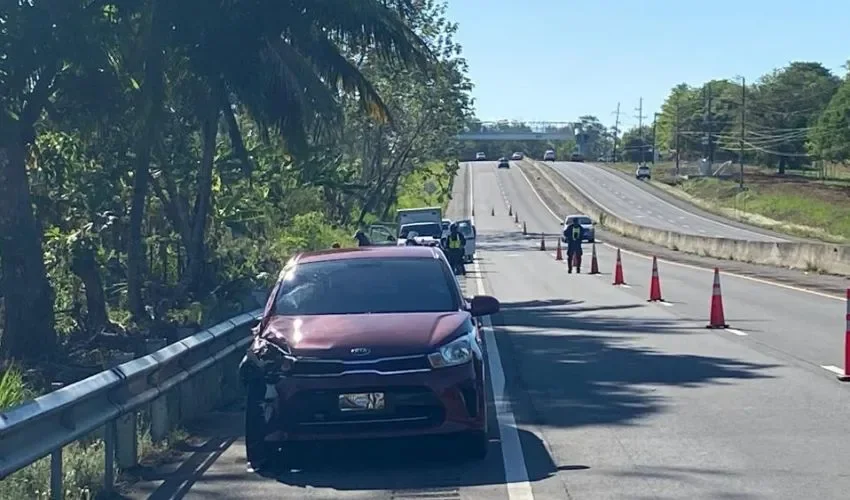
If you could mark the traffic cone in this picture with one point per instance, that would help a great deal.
(846, 376)
(516, 217)
(594, 263)
(524, 229)
(492, 211)
(717, 318)
(510, 210)
(655, 284)
(618, 271)
(542, 242)
(558, 254)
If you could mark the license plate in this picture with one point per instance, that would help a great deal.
(365, 401)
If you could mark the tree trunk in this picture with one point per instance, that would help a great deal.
(152, 99)
(196, 248)
(84, 265)
(28, 329)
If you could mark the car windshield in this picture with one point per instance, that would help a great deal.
(366, 286)
(581, 220)
(425, 229)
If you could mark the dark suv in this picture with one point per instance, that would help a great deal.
(504, 163)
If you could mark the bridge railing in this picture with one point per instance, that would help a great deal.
(174, 384)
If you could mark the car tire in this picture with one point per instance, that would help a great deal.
(475, 445)
(591, 240)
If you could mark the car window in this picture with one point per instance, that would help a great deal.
(433, 230)
(466, 230)
(366, 286)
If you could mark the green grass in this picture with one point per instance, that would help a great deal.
(804, 210)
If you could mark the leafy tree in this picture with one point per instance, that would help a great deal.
(829, 139)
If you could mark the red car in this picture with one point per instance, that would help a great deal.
(372, 342)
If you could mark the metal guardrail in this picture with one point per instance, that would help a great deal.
(176, 383)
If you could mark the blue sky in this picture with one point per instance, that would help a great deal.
(555, 60)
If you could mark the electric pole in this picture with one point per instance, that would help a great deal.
(743, 126)
(678, 118)
(640, 118)
(616, 129)
(654, 142)
(708, 150)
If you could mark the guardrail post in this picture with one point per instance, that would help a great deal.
(109, 433)
(126, 444)
(57, 489)
(159, 407)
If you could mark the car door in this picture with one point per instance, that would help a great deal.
(470, 233)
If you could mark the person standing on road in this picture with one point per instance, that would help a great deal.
(455, 245)
(572, 235)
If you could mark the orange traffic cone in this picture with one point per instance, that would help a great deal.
(845, 377)
(524, 229)
(516, 217)
(717, 318)
(594, 263)
(618, 271)
(558, 254)
(655, 283)
(510, 210)
(492, 211)
(542, 242)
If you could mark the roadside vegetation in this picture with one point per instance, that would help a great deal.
(159, 167)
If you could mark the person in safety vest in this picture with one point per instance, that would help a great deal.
(455, 247)
(572, 234)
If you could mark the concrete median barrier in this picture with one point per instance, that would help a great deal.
(822, 257)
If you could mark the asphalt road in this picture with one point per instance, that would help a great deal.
(627, 199)
(596, 394)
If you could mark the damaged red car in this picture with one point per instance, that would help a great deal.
(373, 342)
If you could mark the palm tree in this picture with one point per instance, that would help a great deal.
(284, 61)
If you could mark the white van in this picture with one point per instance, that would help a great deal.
(468, 231)
(549, 155)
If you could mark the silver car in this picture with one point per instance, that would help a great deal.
(588, 229)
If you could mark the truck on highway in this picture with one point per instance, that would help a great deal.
(416, 217)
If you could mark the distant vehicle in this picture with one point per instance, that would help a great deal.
(504, 163)
(549, 155)
(516, 156)
(643, 173)
(480, 156)
(576, 157)
(588, 231)
(367, 344)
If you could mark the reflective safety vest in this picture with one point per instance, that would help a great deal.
(454, 242)
(576, 233)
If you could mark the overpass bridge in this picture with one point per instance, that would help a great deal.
(519, 131)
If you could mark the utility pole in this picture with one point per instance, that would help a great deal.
(640, 118)
(616, 129)
(654, 142)
(678, 118)
(708, 150)
(743, 126)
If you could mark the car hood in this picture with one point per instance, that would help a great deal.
(384, 334)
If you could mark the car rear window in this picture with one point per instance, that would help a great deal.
(433, 230)
(466, 230)
(581, 220)
(366, 286)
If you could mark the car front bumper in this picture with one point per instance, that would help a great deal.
(434, 402)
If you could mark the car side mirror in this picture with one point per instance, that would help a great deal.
(483, 305)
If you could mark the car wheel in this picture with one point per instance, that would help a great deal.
(591, 240)
(475, 445)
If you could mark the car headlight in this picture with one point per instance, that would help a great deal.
(456, 352)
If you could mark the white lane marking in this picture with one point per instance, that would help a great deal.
(834, 369)
(737, 332)
(690, 266)
(665, 303)
(513, 459)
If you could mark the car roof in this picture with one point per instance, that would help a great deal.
(371, 252)
(576, 215)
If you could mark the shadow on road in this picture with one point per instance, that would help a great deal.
(564, 374)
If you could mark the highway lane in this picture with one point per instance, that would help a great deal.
(637, 400)
(639, 206)
(805, 327)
